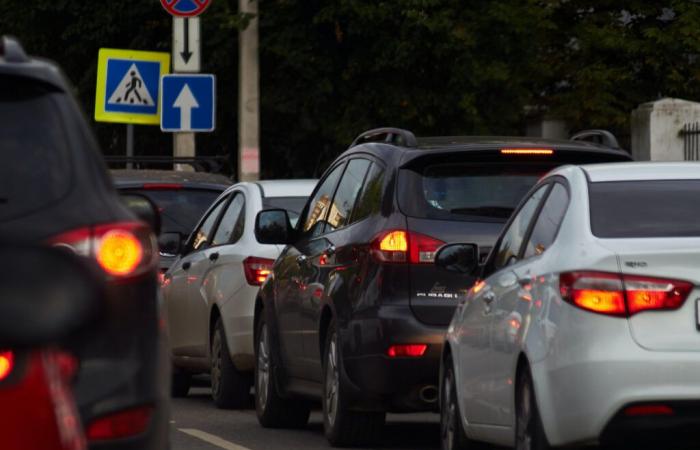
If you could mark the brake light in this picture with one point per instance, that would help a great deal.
(7, 363)
(622, 295)
(400, 246)
(407, 351)
(648, 410)
(120, 425)
(122, 250)
(257, 270)
(527, 151)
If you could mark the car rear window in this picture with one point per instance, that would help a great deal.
(293, 205)
(36, 168)
(466, 192)
(180, 209)
(645, 209)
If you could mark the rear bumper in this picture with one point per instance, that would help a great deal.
(391, 384)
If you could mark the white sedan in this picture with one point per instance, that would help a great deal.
(585, 327)
(209, 292)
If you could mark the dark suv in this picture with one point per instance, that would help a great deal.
(55, 190)
(355, 312)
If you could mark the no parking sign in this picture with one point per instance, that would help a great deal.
(185, 8)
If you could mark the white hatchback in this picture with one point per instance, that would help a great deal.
(209, 292)
(585, 326)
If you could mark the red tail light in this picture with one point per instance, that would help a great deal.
(122, 250)
(257, 270)
(622, 295)
(120, 425)
(527, 151)
(407, 351)
(7, 363)
(400, 246)
(648, 410)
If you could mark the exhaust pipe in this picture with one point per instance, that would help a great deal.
(428, 394)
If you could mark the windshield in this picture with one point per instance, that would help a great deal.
(180, 209)
(293, 205)
(465, 192)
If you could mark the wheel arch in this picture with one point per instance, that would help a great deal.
(326, 318)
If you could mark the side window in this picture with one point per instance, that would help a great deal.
(371, 196)
(346, 195)
(513, 238)
(231, 226)
(314, 220)
(548, 222)
(201, 237)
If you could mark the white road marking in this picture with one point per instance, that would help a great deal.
(211, 439)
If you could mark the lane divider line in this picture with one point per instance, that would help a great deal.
(211, 439)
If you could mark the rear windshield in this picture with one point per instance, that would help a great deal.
(293, 205)
(180, 209)
(466, 192)
(645, 209)
(36, 166)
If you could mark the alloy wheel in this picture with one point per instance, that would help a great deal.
(263, 368)
(332, 382)
(448, 415)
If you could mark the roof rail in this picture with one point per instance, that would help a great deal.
(208, 164)
(601, 137)
(12, 50)
(395, 136)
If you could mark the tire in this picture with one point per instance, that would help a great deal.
(452, 435)
(230, 389)
(181, 383)
(343, 427)
(272, 410)
(529, 432)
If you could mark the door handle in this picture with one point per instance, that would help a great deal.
(302, 259)
(489, 298)
(213, 257)
(330, 251)
(186, 265)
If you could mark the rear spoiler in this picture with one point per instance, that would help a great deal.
(207, 164)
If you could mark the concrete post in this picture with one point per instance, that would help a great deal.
(656, 128)
(249, 97)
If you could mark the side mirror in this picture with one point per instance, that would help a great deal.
(171, 244)
(46, 294)
(458, 258)
(273, 226)
(144, 209)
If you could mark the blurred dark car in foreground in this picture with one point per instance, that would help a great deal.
(55, 190)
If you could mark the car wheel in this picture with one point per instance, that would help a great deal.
(181, 383)
(343, 427)
(529, 432)
(229, 387)
(451, 430)
(272, 410)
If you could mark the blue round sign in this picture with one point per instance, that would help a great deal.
(185, 8)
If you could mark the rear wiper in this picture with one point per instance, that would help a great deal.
(495, 211)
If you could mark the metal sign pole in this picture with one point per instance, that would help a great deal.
(129, 145)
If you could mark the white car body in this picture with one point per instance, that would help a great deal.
(198, 290)
(586, 368)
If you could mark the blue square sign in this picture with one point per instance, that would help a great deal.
(188, 103)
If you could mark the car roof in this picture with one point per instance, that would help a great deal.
(126, 179)
(641, 171)
(287, 188)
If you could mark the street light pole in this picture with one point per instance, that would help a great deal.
(249, 97)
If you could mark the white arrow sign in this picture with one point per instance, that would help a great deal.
(186, 44)
(186, 102)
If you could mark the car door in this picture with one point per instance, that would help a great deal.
(511, 310)
(331, 263)
(183, 280)
(477, 314)
(293, 270)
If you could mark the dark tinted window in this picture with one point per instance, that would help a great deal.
(513, 238)
(293, 205)
(346, 195)
(36, 169)
(180, 209)
(460, 191)
(371, 195)
(201, 237)
(232, 223)
(318, 208)
(641, 209)
(545, 231)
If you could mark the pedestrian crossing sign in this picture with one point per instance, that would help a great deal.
(128, 86)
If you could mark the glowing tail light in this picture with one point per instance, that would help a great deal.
(407, 351)
(400, 246)
(528, 151)
(622, 295)
(7, 363)
(121, 425)
(257, 270)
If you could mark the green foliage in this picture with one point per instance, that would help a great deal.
(333, 68)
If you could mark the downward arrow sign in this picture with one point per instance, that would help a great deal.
(186, 102)
(186, 54)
